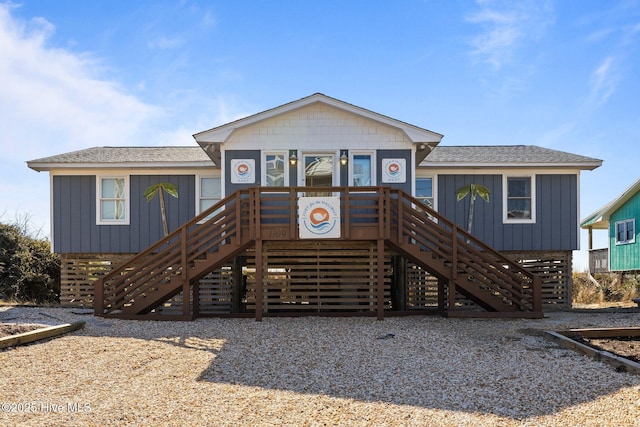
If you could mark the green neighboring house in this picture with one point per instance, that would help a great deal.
(619, 217)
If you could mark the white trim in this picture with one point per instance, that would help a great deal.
(198, 189)
(51, 219)
(352, 154)
(130, 172)
(615, 231)
(496, 171)
(540, 165)
(223, 173)
(302, 177)
(505, 185)
(263, 165)
(220, 134)
(434, 188)
(46, 166)
(127, 200)
(578, 213)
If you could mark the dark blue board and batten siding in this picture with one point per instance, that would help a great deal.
(556, 226)
(74, 215)
(395, 154)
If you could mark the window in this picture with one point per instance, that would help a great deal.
(274, 174)
(210, 192)
(319, 171)
(362, 173)
(625, 231)
(424, 191)
(519, 200)
(113, 202)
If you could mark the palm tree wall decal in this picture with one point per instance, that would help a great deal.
(159, 189)
(474, 190)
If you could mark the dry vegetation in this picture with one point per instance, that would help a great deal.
(7, 329)
(605, 288)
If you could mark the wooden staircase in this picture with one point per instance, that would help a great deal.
(245, 219)
(461, 261)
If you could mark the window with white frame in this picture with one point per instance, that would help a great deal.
(424, 191)
(210, 192)
(362, 172)
(626, 231)
(519, 199)
(274, 170)
(113, 200)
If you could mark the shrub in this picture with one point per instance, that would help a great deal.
(28, 269)
(606, 288)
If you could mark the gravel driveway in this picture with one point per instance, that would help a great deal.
(403, 371)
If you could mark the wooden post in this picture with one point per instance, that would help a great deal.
(196, 298)
(380, 274)
(400, 283)
(98, 298)
(256, 203)
(400, 219)
(537, 294)
(381, 214)
(347, 215)
(186, 301)
(452, 295)
(259, 281)
(236, 285)
(441, 300)
(454, 252)
(293, 205)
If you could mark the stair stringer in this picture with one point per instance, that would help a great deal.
(175, 284)
(482, 297)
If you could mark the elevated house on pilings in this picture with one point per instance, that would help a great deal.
(315, 207)
(618, 218)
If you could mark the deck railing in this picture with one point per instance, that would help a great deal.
(226, 223)
(177, 261)
(468, 258)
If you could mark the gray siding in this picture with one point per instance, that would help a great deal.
(74, 215)
(556, 226)
(241, 154)
(395, 154)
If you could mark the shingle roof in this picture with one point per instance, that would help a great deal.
(147, 156)
(505, 155)
(441, 156)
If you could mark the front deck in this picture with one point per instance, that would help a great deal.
(255, 235)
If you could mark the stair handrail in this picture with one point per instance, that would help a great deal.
(172, 243)
(467, 241)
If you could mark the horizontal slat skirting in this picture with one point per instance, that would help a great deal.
(553, 268)
(319, 276)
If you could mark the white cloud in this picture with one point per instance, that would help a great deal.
(165, 43)
(558, 136)
(505, 26)
(603, 81)
(53, 100)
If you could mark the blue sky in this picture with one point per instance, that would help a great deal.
(559, 74)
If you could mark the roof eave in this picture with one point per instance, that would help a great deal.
(220, 134)
(497, 165)
(608, 209)
(47, 166)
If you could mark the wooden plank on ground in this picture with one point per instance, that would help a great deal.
(620, 364)
(39, 334)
